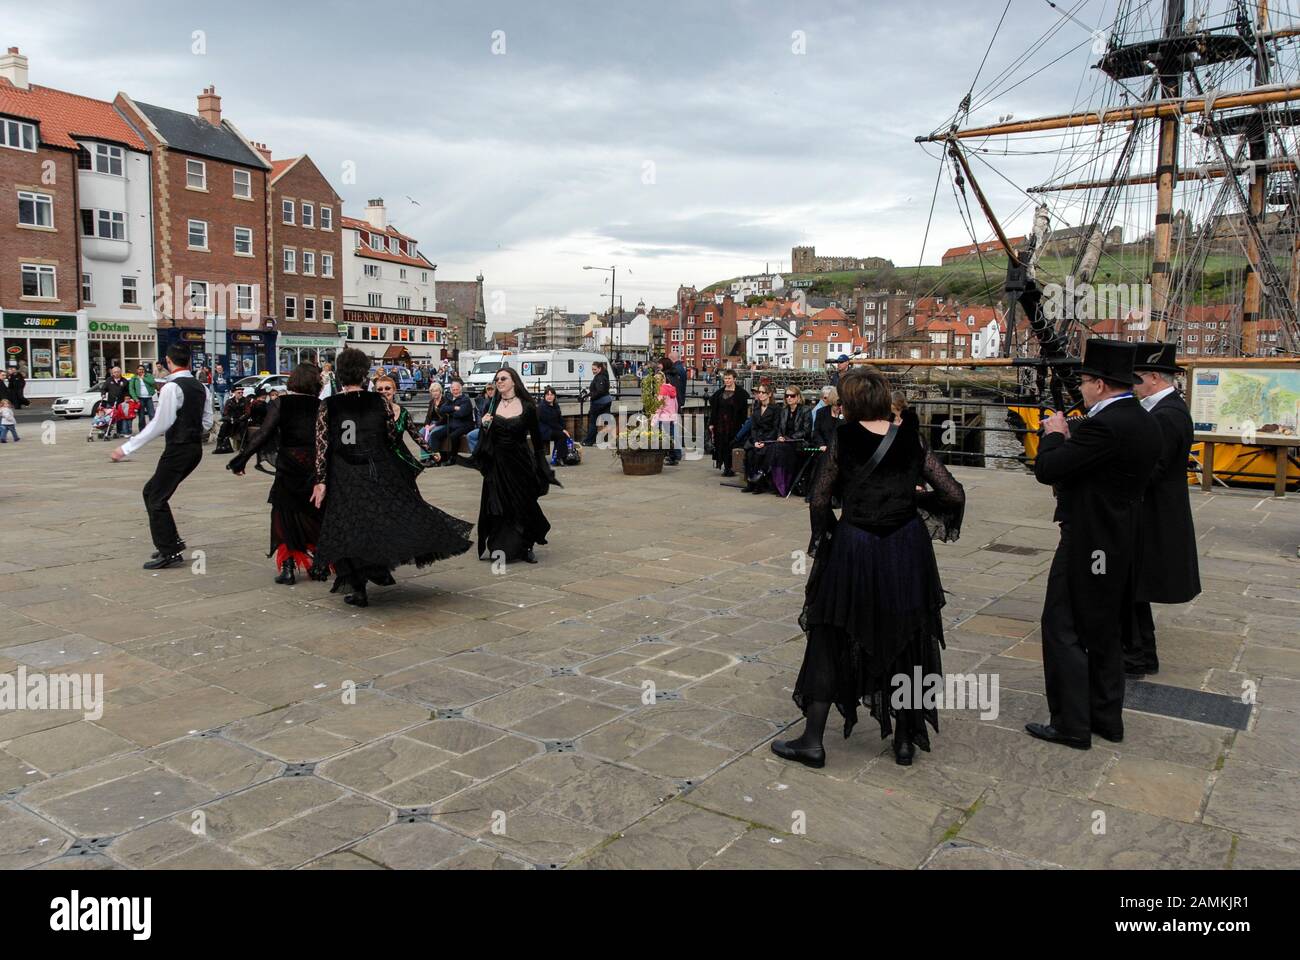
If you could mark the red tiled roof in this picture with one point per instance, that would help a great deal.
(64, 116)
(985, 247)
(365, 250)
(280, 167)
(354, 224)
(828, 314)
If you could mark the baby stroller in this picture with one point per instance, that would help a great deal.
(101, 422)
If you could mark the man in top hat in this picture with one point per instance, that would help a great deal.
(1169, 572)
(1100, 471)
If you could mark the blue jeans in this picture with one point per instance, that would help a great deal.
(8, 428)
(145, 413)
(472, 439)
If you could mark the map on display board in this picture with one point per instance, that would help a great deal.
(1241, 401)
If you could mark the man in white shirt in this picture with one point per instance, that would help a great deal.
(184, 415)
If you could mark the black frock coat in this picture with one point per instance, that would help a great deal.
(1170, 570)
(1100, 474)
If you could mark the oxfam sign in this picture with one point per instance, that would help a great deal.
(102, 326)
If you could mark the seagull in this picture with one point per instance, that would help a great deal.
(412, 199)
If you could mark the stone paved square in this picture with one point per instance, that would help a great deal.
(472, 721)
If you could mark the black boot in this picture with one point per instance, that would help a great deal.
(286, 574)
(808, 749)
(904, 750)
(358, 597)
(318, 571)
(530, 557)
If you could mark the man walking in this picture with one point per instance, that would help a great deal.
(117, 389)
(184, 415)
(1169, 571)
(220, 386)
(1099, 471)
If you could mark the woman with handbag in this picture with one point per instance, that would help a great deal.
(873, 600)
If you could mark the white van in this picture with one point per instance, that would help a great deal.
(485, 367)
(568, 371)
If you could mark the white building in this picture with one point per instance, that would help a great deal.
(772, 343)
(113, 187)
(761, 285)
(390, 302)
(630, 339)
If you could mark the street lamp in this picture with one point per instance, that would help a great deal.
(613, 280)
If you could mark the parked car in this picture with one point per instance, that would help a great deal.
(271, 383)
(74, 405)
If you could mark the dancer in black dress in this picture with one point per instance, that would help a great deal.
(290, 426)
(728, 408)
(515, 476)
(873, 600)
(375, 519)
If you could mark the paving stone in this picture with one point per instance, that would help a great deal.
(26, 840)
(1158, 787)
(487, 761)
(296, 841)
(122, 804)
(1257, 802)
(411, 846)
(376, 767)
(68, 746)
(677, 836)
(567, 721)
(760, 849)
(454, 736)
(217, 764)
(956, 855)
(265, 805)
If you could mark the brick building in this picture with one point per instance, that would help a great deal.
(211, 243)
(705, 334)
(306, 261)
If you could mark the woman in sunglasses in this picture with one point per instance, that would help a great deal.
(762, 437)
(515, 474)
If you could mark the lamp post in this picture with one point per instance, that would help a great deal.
(613, 280)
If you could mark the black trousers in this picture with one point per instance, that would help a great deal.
(1140, 640)
(1084, 675)
(177, 462)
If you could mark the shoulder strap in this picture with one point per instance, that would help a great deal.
(886, 442)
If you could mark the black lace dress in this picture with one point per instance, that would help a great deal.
(515, 476)
(289, 429)
(873, 600)
(727, 415)
(374, 517)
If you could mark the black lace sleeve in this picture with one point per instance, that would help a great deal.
(821, 516)
(413, 432)
(322, 441)
(943, 505)
(270, 426)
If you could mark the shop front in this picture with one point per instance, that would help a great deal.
(126, 345)
(49, 349)
(294, 350)
(242, 353)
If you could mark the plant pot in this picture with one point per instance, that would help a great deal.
(642, 463)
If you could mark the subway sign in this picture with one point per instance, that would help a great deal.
(38, 321)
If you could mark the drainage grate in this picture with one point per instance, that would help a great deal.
(1217, 709)
(209, 734)
(649, 638)
(561, 672)
(415, 815)
(662, 695)
(559, 746)
(685, 786)
(452, 713)
(85, 846)
(1012, 549)
(748, 658)
(548, 866)
(299, 770)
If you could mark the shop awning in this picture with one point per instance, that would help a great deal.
(396, 352)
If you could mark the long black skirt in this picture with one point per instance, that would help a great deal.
(872, 615)
(295, 520)
(376, 521)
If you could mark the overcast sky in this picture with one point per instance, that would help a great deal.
(686, 142)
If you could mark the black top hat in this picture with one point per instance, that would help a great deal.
(1109, 360)
(1158, 357)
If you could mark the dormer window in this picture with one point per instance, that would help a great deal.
(18, 135)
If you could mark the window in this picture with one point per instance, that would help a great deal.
(327, 310)
(109, 159)
(394, 245)
(308, 215)
(401, 274)
(244, 241)
(327, 218)
(308, 263)
(87, 288)
(130, 292)
(291, 308)
(372, 270)
(112, 224)
(375, 299)
(376, 242)
(244, 297)
(198, 295)
(196, 174)
(404, 303)
(243, 184)
(424, 303)
(290, 260)
(410, 247)
(309, 308)
(198, 237)
(287, 209)
(39, 281)
(424, 276)
(18, 135)
(35, 209)
(326, 261)
(708, 318)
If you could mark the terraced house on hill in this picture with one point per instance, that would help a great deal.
(211, 249)
(76, 269)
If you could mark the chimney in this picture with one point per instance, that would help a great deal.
(264, 150)
(13, 67)
(210, 106)
(376, 215)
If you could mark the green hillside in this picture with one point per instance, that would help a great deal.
(971, 282)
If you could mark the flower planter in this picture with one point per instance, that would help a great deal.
(642, 463)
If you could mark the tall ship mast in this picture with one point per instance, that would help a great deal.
(1174, 172)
